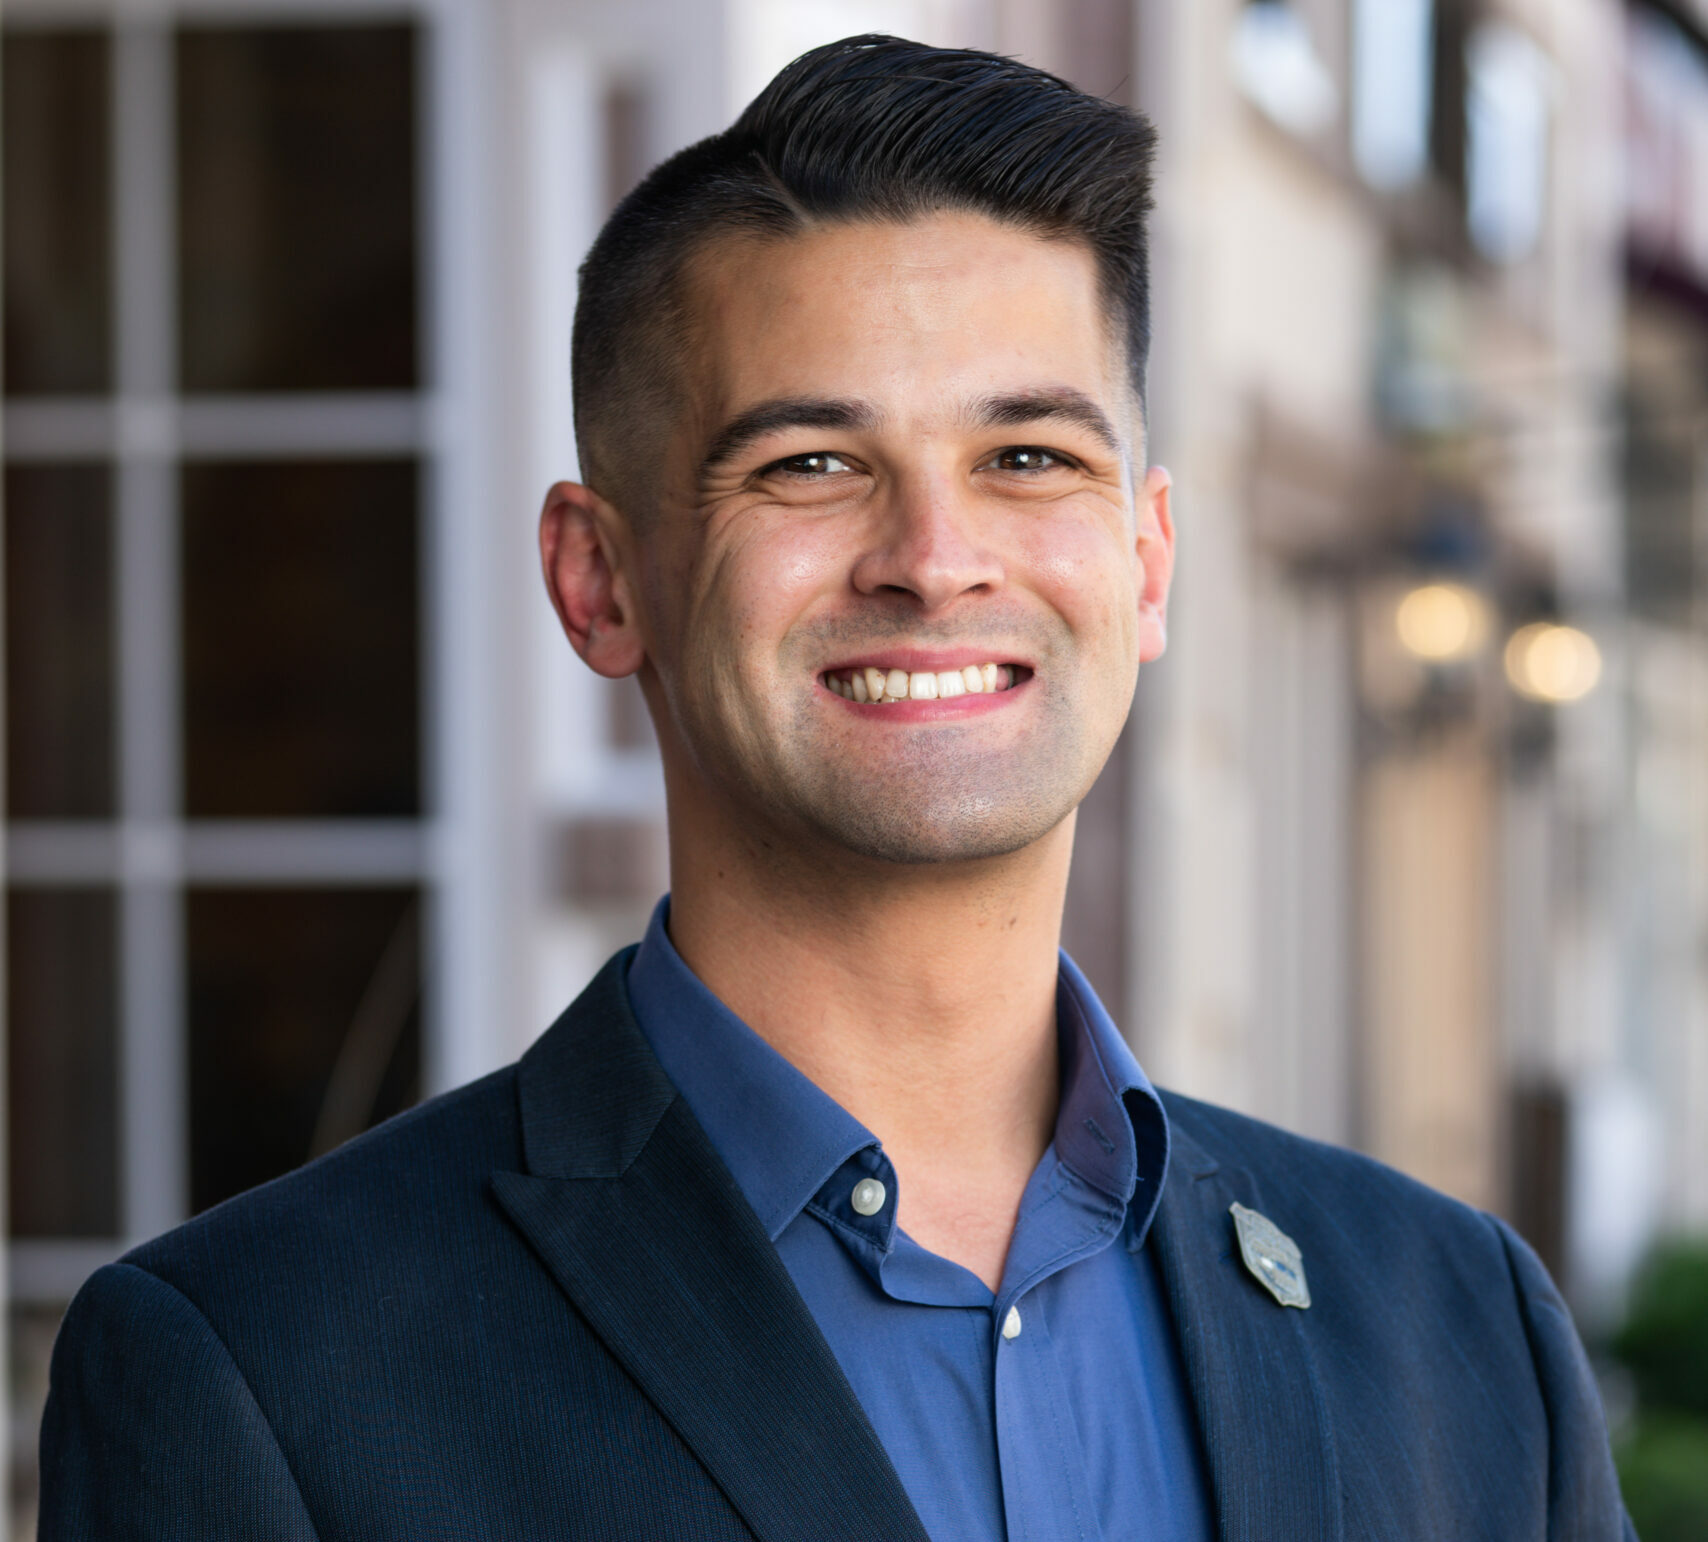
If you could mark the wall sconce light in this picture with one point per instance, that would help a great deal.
(1442, 623)
(1548, 662)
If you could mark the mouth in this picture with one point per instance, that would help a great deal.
(875, 685)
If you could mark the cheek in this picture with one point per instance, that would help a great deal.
(797, 550)
(757, 579)
(1089, 576)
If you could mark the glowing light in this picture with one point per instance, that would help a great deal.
(1442, 622)
(1549, 662)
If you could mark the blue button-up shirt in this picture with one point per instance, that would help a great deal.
(1054, 1409)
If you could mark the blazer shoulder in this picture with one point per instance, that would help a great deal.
(1432, 1304)
(419, 1186)
(427, 1166)
(150, 1428)
(1300, 1174)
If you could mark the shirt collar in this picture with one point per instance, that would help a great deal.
(779, 1134)
(1111, 1129)
(782, 1137)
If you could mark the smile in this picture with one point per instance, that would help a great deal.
(884, 686)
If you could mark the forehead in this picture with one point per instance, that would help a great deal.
(911, 316)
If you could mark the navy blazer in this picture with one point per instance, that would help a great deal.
(539, 1307)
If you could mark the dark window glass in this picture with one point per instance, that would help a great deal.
(59, 642)
(54, 141)
(1538, 1130)
(1662, 459)
(304, 1026)
(299, 616)
(626, 159)
(61, 1062)
(296, 214)
(1448, 82)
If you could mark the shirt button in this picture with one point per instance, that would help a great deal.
(869, 1196)
(1011, 1323)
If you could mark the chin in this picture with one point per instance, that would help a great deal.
(968, 829)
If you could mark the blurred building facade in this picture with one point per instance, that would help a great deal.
(310, 810)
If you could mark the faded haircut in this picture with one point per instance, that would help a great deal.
(870, 128)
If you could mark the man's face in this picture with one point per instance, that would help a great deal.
(910, 450)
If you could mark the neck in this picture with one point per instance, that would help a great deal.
(921, 998)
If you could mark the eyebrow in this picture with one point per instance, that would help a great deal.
(1012, 409)
(785, 412)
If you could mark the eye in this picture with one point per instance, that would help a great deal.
(816, 463)
(1026, 458)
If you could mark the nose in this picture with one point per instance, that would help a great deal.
(929, 545)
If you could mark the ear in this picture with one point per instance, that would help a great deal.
(582, 541)
(1154, 550)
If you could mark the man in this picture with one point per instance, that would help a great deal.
(839, 1209)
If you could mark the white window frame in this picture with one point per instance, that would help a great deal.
(149, 852)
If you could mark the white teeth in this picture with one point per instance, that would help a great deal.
(869, 684)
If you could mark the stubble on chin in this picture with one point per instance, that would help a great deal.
(944, 795)
(915, 794)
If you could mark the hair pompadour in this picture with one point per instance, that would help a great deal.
(869, 128)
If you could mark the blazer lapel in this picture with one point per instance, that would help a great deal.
(628, 1205)
(1253, 1379)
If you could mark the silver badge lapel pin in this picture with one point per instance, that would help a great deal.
(1272, 1257)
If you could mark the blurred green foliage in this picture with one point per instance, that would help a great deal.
(1663, 1457)
(1664, 1342)
(1663, 1473)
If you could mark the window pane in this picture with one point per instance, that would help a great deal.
(1662, 461)
(61, 1062)
(296, 217)
(59, 642)
(54, 133)
(300, 640)
(304, 1026)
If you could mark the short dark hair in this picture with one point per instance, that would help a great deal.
(869, 128)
